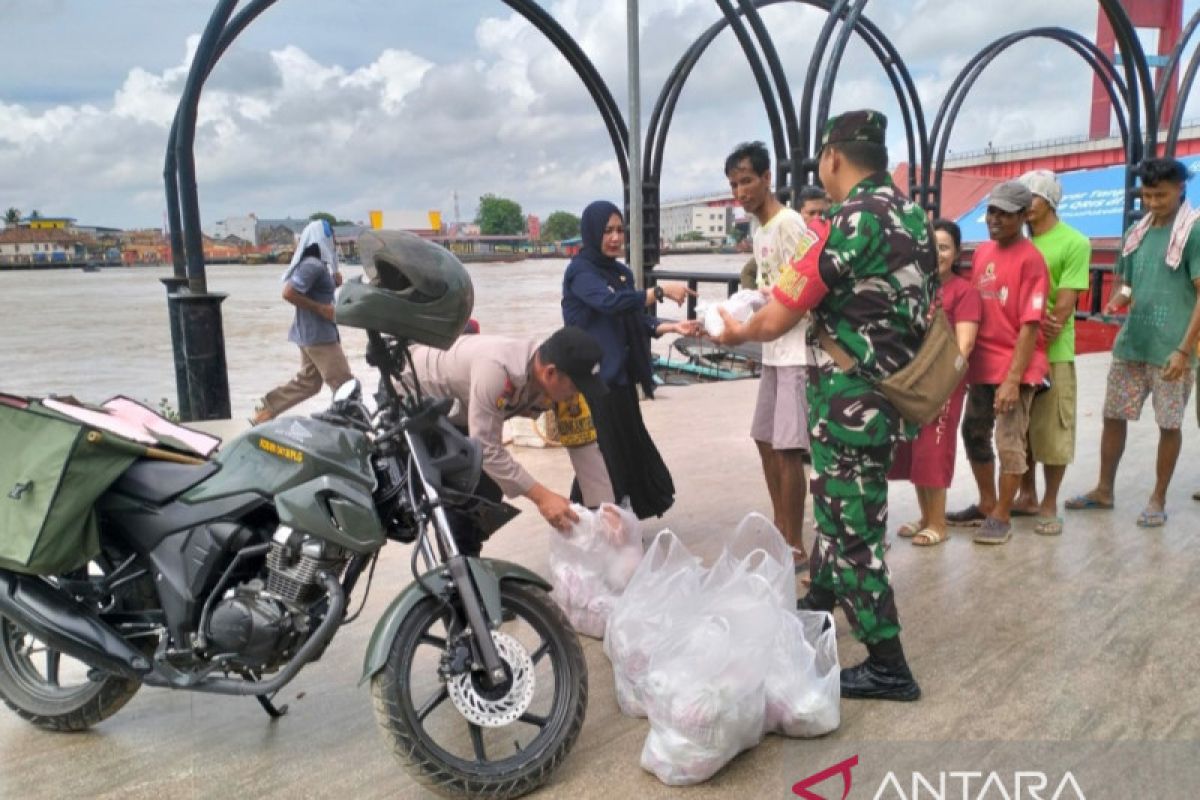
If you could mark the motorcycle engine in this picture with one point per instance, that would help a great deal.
(258, 630)
(262, 625)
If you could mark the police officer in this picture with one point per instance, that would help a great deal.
(495, 378)
(865, 277)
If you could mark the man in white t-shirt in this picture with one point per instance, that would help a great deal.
(780, 425)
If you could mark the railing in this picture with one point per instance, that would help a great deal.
(732, 281)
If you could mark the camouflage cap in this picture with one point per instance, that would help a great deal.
(855, 126)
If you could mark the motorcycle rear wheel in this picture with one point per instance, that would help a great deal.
(52, 691)
(430, 736)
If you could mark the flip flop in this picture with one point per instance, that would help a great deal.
(1048, 526)
(928, 537)
(1151, 518)
(1085, 503)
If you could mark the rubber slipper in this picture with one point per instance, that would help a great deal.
(1085, 503)
(1048, 526)
(928, 537)
(908, 529)
(970, 517)
(1151, 518)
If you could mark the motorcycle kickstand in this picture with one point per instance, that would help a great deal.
(273, 711)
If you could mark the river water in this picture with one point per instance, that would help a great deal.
(95, 335)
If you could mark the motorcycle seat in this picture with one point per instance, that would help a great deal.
(159, 482)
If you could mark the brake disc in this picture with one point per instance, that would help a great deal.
(478, 706)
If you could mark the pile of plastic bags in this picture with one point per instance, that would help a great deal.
(591, 565)
(716, 657)
(741, 305)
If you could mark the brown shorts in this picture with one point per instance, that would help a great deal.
(781, 411)
(1052, 418)
(1011, 428)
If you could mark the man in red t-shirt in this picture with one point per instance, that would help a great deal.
(1009, 360)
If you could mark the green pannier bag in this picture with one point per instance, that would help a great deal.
(53, 469)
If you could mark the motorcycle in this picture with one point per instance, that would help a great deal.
(231, 575)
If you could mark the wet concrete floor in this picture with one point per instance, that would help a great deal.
(1066, 663)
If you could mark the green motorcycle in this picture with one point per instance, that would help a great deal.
(230, 576)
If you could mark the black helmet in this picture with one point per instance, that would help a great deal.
(415, 290)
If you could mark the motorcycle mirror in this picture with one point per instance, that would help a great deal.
(350, 391)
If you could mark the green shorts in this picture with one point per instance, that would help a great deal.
(1052, 419)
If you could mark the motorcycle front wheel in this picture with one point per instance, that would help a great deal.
(461, 738)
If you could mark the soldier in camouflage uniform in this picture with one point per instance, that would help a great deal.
(866, 278)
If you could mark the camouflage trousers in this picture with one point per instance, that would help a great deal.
(853, 430)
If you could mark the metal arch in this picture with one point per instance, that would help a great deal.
(831, 69)
(1185, 86)
(1137, 76)
(614, 121)
(948, 111)
(826, 98)
(837, 9)
(783, 91)
(760, 77)
(879, 44)
(1168, 73)
(170, 177)
(179, 167)
(189, 205)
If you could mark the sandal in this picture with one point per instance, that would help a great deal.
(908, 529)
(1152, 518)
(1048, 526)
(1085, 502)
(928, 537)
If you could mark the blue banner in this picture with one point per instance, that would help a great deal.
(1093, 201)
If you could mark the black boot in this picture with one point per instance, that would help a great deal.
(883, 676)
(817, 599)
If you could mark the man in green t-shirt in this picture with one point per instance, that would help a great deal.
(1157, 277)
(1068, 255)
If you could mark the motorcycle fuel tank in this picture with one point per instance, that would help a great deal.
(283, 453)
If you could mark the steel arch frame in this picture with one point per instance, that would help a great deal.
(947, 113)
(793, 131)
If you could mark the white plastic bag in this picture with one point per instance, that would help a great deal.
(803, 686)
(740, 305)
(591, 565)
(717, 657)
(705, 702)
(658, 599)
(705, 688)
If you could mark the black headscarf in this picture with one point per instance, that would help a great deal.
(591, 232)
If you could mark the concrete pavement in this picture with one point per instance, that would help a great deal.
(1069, 658)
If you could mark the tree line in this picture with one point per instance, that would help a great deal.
(499, 216)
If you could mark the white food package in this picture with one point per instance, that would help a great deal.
(716, 657)
(591, 565)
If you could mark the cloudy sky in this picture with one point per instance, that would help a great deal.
(349, 105)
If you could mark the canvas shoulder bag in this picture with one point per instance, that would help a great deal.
(919, 389)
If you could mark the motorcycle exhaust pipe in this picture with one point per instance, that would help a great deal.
(66, 625)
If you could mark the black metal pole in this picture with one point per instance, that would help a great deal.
(198, 311)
